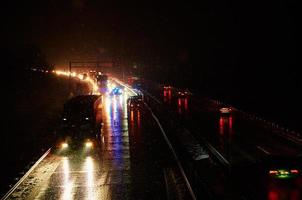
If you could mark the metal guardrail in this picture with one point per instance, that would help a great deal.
(174, 153)
(285, 132)
(192, 194)
(25, 175)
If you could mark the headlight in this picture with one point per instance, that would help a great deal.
(88, 144)
(64, 119)
(64, 145)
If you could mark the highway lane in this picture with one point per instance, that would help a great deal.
(129, 164)
(226, 132)
(243, 143)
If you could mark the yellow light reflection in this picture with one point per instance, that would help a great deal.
(66, 169)
(131, 116)
(138, 118)
(68, 184)
(89, 168)
(107, 105)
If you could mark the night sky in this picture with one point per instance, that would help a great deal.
(224, 32)
(236, 50)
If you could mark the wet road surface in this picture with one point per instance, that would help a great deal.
(128, 164)
(244, 143)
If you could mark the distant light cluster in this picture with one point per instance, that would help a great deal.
(74, 75)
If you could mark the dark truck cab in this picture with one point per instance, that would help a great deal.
(79, 125)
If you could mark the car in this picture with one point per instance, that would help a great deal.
(284, 173)
(225, 110)
(283, 167)
(167, 87)
(135, 102)
(182, 93)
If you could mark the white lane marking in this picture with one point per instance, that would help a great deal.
(25, 175)
(173, 152)
(153, 97)
(218, 155)
(263, 150)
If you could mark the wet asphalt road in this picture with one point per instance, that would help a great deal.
(128, 164)
(243, 142)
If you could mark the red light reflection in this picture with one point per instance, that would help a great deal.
(186, 104)
(230, 125)
(138, 118)
(221, 126)
(280, 194)
(226, 125)
(169, 96)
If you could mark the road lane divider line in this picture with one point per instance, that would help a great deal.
(216, 153)
(25, 175)
(124, 85)
(153, 97)
(173, 152)
(263, 150)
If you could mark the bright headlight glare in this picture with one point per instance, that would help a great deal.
(89, 144)
(64, 145)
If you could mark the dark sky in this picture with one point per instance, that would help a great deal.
(216, 34)
(244, 51)
(211, 32)
(83, 28)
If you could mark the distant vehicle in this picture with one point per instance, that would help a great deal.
(167, 87)
(284, 173)
(135, 102)
(182, 93)
(79, 126)
(116, 91)
(92, 74)
(284, 167)
(101, 79)
(225, 110)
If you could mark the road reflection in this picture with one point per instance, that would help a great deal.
(225, 135)
(226, 126)
(285, 189)
(182, 105)
(67, 183)
(102, 174)
(167, 96)
(90, 178)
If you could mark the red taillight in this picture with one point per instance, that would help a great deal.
(294, 171)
